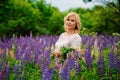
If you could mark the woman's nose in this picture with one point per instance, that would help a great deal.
(69, 22)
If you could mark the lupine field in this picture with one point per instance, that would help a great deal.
(30, 58)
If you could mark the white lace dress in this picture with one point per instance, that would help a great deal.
(72, 41)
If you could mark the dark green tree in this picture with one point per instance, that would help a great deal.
(18, 17)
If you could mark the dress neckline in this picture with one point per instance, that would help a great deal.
(69, 35)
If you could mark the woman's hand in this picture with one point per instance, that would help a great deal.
(82, 51)
(57, 54)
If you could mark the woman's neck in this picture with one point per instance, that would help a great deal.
(70, 32)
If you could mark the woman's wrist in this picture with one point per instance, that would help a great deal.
(56, 53)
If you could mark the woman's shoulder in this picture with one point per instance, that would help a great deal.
(77, 35)
(62, 34)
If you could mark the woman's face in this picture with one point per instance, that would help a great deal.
(70, 23)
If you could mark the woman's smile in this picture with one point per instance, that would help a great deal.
(70, 22)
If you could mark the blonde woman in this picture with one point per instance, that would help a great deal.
(69, 38)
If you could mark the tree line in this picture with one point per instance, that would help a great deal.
(21, 17)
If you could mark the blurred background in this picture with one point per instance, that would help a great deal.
(41, 17)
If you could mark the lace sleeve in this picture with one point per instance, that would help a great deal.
(57, 47)
(76, 42)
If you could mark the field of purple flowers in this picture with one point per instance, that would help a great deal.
(30, 58)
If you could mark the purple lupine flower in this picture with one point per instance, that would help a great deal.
(117, 63)
(47, 54)
(45, 63)
(44, 74)
(96, 47)
(88, 58)
(111, 59)
(114, 63)
(104, 44)
(49, 40)
(101, 43)
(4, 52)
(28, 54)
(68, 65)
(39, 61)
(21, 50)
(76, 55)
(47, 74)
(1, 65)
(100, 65)
(65, 71)
(77, 67)
(16, 49)
(50, 74)
(109, 42)
(16, 70)
(84, 40)
(55, 39)
(71, 62)
(23, 61)
(3, 73)
(57, 63)
(7, 75)
(35, 49)
(45, 70)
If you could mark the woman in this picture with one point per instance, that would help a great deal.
(70, 38)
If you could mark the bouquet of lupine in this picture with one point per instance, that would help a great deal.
(65, 51)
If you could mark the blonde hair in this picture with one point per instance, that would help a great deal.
(77, 19)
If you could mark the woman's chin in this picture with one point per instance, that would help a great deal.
(70, 28)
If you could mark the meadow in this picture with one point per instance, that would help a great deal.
(30, 58)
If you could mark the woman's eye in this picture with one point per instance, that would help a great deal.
(68, 19)
(72, 20)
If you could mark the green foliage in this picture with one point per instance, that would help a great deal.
(20, 17)
(65, 51)
(56, 23)
(105, 19)
(32, 72)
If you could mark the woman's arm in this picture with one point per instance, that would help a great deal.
(56, 51)
(76, 44)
